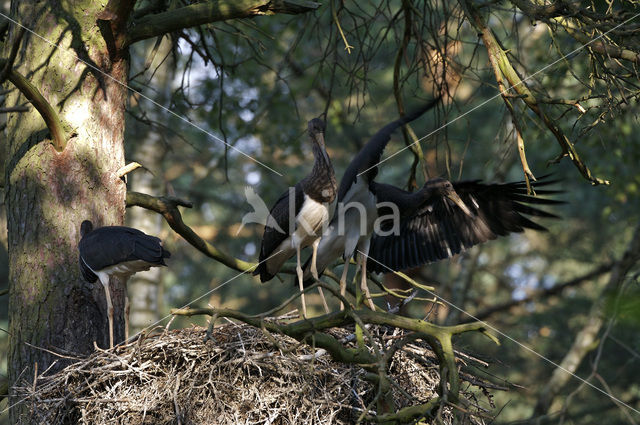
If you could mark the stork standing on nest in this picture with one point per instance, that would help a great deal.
(300, 215)
(351, 227)
(117, 251)
(434, 223)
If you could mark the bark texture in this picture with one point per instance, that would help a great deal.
(48, 193)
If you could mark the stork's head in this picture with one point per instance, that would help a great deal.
(316, 132)
(316, 125)
(86, 227)
(443, 187)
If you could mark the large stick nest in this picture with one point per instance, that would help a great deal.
(239, 375)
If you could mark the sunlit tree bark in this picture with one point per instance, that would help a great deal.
(48, 193)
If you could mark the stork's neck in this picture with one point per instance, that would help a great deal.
(320, 184)
(321, 158)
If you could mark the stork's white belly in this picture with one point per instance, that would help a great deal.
(311, 220)
(127, 268)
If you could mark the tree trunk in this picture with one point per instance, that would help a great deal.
(49, 193)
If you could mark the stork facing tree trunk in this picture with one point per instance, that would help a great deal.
(300, 215)
(117, 251)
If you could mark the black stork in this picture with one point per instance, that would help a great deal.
(352, 224)
(300, 215)
(436, 222)
(432, 228)
(117, 251)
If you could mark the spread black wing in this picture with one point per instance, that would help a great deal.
(439, 229)
(274, 236)
(369, 156)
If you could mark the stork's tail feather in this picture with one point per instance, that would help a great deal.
(261, 271)
(149, 249)
(165, 254)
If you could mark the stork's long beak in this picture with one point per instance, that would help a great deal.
(323, 148)
(458, 201)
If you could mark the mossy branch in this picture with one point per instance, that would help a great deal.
(409, 414)
(306, 330)
(602, 48)
(50, 116)
(499, 56)
(167, 206)
(336, 20)
(528, 175)
(208, 12)
(310, 331)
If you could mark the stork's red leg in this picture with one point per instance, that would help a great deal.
(126, 318)
(343, 282)
(300, 280)
(109, 310)
(314, 272)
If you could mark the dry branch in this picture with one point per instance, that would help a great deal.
(607, 50)
(14, 109)
(546, 11)
(313, 332)
(554, 290)
(499, 56)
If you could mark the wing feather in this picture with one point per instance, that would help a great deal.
(439, 229)
(110, 245)
(273, 237)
